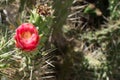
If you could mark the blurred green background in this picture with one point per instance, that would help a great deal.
(79, 40)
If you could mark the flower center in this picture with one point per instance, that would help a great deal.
(26, 35)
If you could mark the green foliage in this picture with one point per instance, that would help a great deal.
(114, 8)
(90, 54)
(89, 10)
(43, 23)
(97, 46)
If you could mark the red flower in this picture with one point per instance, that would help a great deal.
(27, 37)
